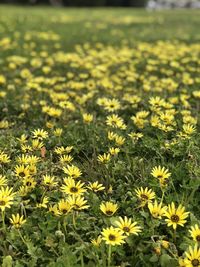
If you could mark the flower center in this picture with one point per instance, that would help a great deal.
(126, 229)
(109, 212)
(198, 238)
(159, 176)
(111, 237)
(143, 196)
(73, 189)
(22, 174)
(64, 211)
(28, 183)
(195, 262)
(2, 203)
(175, 218)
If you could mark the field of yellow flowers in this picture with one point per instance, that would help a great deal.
(100, 143)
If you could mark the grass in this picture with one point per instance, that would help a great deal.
(99, 120)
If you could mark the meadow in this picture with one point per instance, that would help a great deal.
(99, 143)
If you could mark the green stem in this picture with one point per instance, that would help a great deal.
(3, 220)
(64, 226)
(163, 195)
(174, 236)
(109, 255)
(74, 219)
(82, 262)
(22, 237)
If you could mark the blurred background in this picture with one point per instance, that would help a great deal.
(152, 4)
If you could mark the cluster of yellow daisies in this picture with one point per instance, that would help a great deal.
(91, 136)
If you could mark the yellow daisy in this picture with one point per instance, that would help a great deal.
(128, 226)
(160, 172)
(22, 171)
(192, 257)
(145, 195)
(113, 236)
(72, 171)
(72, 188)
(6, 197)
(175, 216)
(17, 221)
(156, 210)
(77, 203)
(108, 208)
(195, 232)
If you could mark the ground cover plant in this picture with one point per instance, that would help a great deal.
(99, 144)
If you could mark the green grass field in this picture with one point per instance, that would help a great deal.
(99, 143)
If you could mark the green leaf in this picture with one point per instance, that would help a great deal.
(167, 261)
(154, 258)
(7, 261)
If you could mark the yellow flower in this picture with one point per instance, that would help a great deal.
(105, 158)
(160, 172)
(4, 158)
(145, 195)
(63, 150)
(2, 79)
(22, 171)
(26, 148)
(192, 257)
(54, 210)
(175, 216)
(97, 242)
(72, 171)
(119, 140)
(108, 208)
(29, 182)
(26, 159)
(128, 226)
(4, 124)
(87, 118)
(113, 236)
(37, 144)
(115, 121)
(32, 160)
(22, 139)
(6, 197)
(77, 202)
(43, 203)
(189, 129)
(135, 136)
(65, 159)
(72, 188)
(32, 169)
(156, 210)
(111, 136)
(64, 206)
(181, 262)
(156, 102)
(17, 221)
(95, 186)
(195, 232)
(114, 151)
(3, 180)
(49, 181)
(165, 244)
(112, 105)
(40, 134)
(23, 191)
(58, 132)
